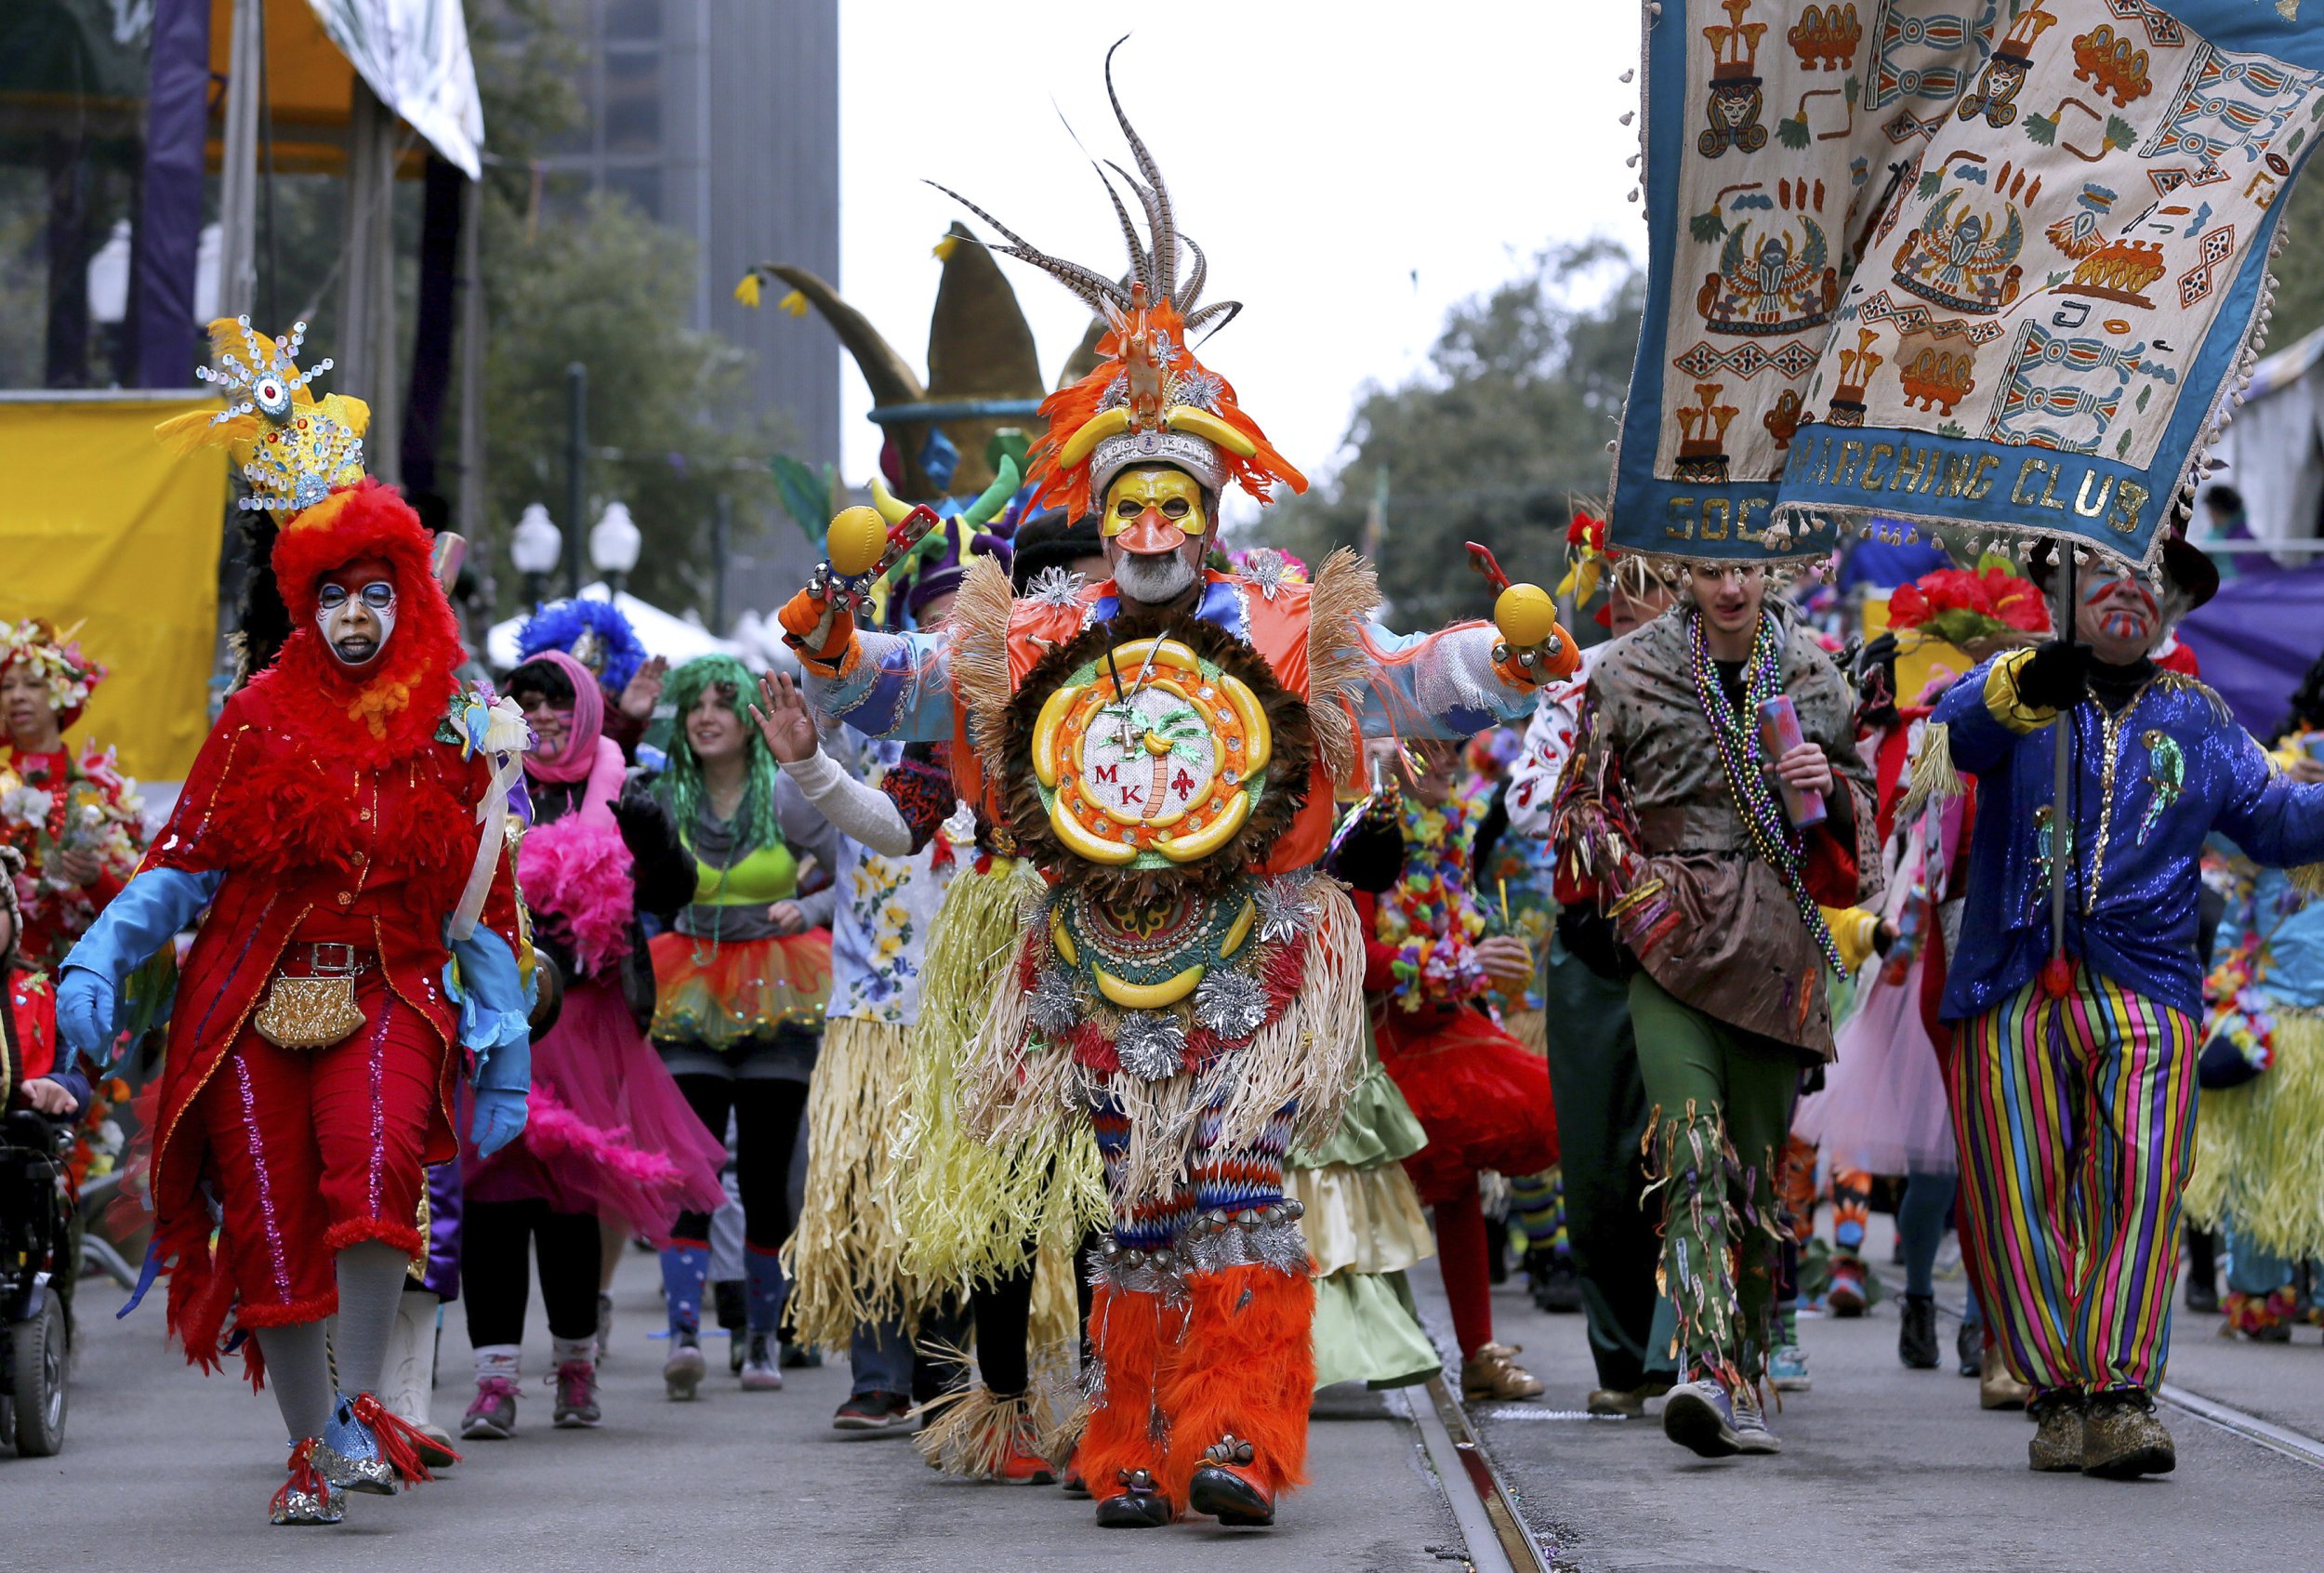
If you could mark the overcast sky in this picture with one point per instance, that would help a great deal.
(1349, 179)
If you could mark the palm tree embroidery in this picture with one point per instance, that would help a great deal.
(1177, 734)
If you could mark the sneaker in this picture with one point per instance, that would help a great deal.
(2057, 1445)
(760, 1373)
(1916, 1333)
(492, 1417)
(1969, 1349)
(577, 1396)
(682, 1372)
(1699, 1417)
(1845, 1298)
(1786, 1369)
(1024, 1465)
(2122, 1439)
(873, 1412)
(1493, 1373)
(800, 1357)
(604, 1326)
(1751, 1434)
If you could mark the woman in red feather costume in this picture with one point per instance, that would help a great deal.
(361, 931)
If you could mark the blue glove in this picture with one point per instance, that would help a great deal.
(87, 1006)
(133, 925)
(501, 1084)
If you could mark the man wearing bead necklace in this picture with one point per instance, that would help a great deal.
(1671, 819)
(2074, 1075)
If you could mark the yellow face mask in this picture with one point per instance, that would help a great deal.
(1148, 498)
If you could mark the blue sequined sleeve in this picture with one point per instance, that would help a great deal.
(2275, 819)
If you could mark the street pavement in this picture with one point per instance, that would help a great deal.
(1887, 1469)
(1882, 1469)
(164, 1469)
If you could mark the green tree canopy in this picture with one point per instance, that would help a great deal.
(1510, 422)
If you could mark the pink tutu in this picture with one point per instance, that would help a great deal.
(606, 1129)
(1883, 1109)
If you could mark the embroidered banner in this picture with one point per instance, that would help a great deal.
(1984, 263)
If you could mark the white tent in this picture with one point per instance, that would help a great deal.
(673, 638)
(2273, 450)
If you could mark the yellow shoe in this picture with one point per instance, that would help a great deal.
(1996, 1388)
(1493, 1372)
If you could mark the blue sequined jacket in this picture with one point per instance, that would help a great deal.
(2148, 785)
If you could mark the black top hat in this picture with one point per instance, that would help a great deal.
(2187, 567)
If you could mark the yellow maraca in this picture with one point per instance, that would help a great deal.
(1526, 616)
(857, 537)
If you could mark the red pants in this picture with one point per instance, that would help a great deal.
(313, 1150)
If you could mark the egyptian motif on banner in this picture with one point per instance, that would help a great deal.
(1996, 263)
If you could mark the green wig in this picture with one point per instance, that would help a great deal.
(682, 783)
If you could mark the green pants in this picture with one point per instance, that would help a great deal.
(1601, 1130)
(1722, 1101)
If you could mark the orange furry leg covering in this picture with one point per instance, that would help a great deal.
(1247, 1368)
(1126, 1330)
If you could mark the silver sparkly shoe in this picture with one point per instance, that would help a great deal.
(350, 1457)
(306, 1497)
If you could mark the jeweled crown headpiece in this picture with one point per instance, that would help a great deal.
(1149, 401)
(292, 447)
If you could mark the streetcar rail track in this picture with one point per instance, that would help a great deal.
(1485, 1512)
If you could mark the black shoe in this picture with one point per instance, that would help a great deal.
(873, 1412)
(2202, 1296)
(796, 1357)
(1229, 1498)
(1969, 1349)
(1140, 1506)
(1556, 1287)
(1916, 1337)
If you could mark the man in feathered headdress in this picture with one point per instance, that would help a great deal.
(331, 827)
(1164, 747)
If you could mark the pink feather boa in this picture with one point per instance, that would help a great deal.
(552, 1131)
(575, 871)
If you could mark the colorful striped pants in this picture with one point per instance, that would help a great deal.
(2077, 1124)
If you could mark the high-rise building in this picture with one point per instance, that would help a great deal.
(720, 118)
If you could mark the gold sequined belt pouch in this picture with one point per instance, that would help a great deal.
(317, 1010)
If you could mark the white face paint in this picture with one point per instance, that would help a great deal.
(356, 620)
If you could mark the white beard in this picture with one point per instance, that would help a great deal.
(1151, 581)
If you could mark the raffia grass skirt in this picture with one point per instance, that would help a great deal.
(973, 1210)
(845, 1258)
(2259, 1148)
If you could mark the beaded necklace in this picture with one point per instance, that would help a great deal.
(1772, 835)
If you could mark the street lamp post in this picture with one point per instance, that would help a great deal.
(577, 469)
(613, 546)
(534, 545)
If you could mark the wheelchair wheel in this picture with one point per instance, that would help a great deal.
(36, 1365)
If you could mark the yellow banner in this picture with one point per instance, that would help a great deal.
(104, 528)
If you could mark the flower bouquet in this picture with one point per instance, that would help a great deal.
(1977, 611)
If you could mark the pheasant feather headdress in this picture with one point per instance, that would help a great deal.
(1149, 401)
